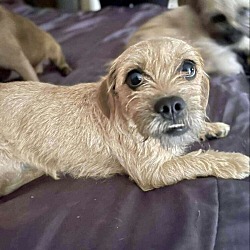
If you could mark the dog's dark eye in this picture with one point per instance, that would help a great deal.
(218, 18)
(189, 69)
(244, 11)
(134, 79)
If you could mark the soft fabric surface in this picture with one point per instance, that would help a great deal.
(206, 213)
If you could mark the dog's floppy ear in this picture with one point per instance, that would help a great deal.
(105, 94)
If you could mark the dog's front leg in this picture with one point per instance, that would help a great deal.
(214, 130)
(190, 166)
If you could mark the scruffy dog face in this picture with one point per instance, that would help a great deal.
(160, 88)
(226, 21)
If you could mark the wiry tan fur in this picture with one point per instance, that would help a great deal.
(24, 47)
(105, 128)
(191, 24)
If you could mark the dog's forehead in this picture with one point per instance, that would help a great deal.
(232, 3)
(159, 52)
(229, 8)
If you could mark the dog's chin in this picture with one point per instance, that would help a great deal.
(179, 137)
(171, 135)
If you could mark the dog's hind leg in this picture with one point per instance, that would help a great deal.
(25, 69)
(39, 68)
(14, 174)
(55, 55)
(18, 62)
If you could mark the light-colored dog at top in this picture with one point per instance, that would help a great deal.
(24, 47)
(217, 28)
(137, 120)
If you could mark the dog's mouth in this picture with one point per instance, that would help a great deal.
(176, 129)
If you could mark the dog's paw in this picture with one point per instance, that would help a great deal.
(234, 166)
(65, 71)
(214, 131)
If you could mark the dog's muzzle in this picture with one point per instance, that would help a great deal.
(172, 110)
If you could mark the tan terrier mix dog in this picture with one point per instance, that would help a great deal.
(217, 28)
(24, 47)
(138, 120)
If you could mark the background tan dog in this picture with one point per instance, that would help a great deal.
(216, 27)
(138, 120)
(23, 47)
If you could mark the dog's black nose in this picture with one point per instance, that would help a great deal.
(170, 107)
